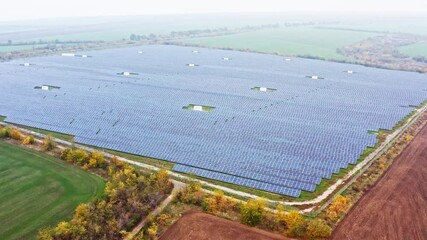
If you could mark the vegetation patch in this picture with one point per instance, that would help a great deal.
(37, 190)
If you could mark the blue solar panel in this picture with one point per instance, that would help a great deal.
(283, 141)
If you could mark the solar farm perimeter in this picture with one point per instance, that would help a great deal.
(254, 120)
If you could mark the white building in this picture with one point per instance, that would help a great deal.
(191, 65)
(45, 88)
(198, 108)
(68, 55)
(226, 59)
(315, 77)
(26, 64)
(126, 73)
(263, 89)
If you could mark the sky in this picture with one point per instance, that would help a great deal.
(11, 10)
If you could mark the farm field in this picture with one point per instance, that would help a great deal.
(415, 50)
(298, 41)
(4, 49)
(395, 207)
(202, 226)
(37, 190)
(280, 141)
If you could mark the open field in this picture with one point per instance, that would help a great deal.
(301, 41)
(202, 226)
(37, 190)
(4, 49)
(415, 50)
(395, 207)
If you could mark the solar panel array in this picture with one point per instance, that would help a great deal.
(284, 141)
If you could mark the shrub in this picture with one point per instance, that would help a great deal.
(96, 159)
(48, 143)
(29, 140)
(338, 207)
(252, 211)
(192, 193)
(79, 156)
(152, 231)
(65, 153)
(317, 229)
(16, 134)
(295, 223)
(5, 132)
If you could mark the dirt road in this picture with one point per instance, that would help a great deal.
(395, 208)
(202, 226)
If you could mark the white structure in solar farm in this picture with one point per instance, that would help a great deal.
(195, 51)
(139, 52)
(191, 65)
(26, 64)
(68, 55)
(198, 108)
(315, 77)
(45, 88)
(350, 71)
(226, 59)
(288, 59)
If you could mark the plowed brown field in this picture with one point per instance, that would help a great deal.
(202, 226)
(396, 207)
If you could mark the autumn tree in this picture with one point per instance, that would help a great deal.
(16, 134)
(251, 212)
(216, 203)
(48, 143)
(338, 207)
(295, 224)
(152, 231)
(318, 229)
(163, 183)
(4, 132)
(191, 193)
(29, 140)
(96, 159)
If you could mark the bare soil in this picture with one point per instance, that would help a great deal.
(202, 226)
(396, 207)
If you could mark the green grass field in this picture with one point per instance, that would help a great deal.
(302, 41)
(37, 190)
(415, 50)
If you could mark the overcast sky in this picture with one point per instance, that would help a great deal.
(34, 9)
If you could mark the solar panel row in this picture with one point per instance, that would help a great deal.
(283, 141)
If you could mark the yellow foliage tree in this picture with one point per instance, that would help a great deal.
(29, 140)
(48, 143)
(408, 137)
(16, 134)
(162, 180)
(295, 224)
(152, 231)
(251, 212)
(317, 229)
(216, 203)
(338, 207)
